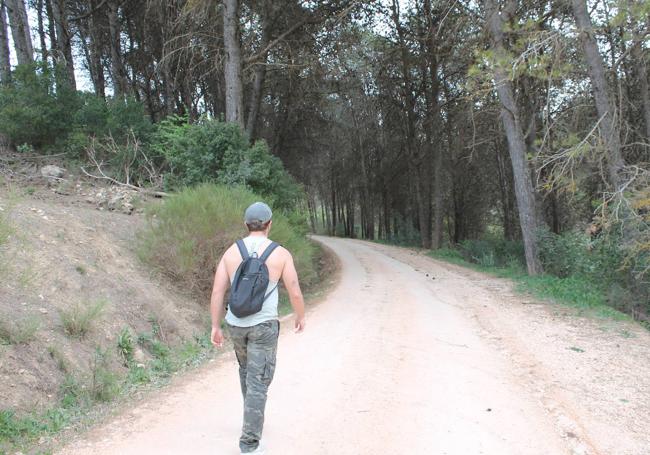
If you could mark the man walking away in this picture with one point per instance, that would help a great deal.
(254, 336)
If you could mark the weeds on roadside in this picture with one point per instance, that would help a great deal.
(575, 291)
(20, 331)
(104, 385)
(6, 231)
(100, 384)
(78, 319)
(73, 393)
(58, 356)
(138, 374)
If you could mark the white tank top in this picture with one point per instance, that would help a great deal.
(269, 309)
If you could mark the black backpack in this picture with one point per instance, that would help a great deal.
(248, 290)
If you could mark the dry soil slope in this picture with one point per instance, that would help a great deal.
(61, 254)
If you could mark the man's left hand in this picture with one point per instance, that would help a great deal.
(217, 337)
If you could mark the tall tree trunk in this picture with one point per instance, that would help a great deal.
(20, 31)
(117, 66)
(333, 218)
(638, 55)
(64, 40)
(260, 76)
(505, 192)
(5, 61)
(604, 100)
(95, 51)
(643, 87)
(41, 31)
(233, 63)
(420, 182)
(516, 143)
(438, 199)
(50, 25)
(435, 123)
(435, 130)
(386, 214)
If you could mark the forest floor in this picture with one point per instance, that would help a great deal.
(412, 355)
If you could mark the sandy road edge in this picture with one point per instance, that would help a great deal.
(499, 330)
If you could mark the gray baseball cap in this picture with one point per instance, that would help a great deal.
(258, 211)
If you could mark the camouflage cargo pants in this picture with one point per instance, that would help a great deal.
(256, 348)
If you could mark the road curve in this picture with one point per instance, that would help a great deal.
(390, 363)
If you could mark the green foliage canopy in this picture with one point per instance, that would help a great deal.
(211, 151)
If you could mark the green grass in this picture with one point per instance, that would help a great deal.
(79, 318)
(587, 297)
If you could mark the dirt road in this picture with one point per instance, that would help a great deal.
(406, 355)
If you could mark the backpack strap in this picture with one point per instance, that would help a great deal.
(268, 294)
(242, 249)
(267, 252)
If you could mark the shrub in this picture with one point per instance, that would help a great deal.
(37, 107)
(78, 319)
(492, 251)
(189, 231)
(218, 152)
(115, 117)
(576, 253)
(405, 233)
(39, 110)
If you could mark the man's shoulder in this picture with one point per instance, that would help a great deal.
(233, 251)
(281, 251)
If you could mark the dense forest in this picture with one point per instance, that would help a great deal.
(517, 130)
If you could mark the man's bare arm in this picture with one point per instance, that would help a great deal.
(290, 280)
(217, 306)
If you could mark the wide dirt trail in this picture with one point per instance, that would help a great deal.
(393, 361)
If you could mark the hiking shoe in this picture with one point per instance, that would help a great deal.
(258, 451)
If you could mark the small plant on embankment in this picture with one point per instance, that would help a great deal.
(78, 319)
(20, 331)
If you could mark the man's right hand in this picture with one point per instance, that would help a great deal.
(299, 324)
